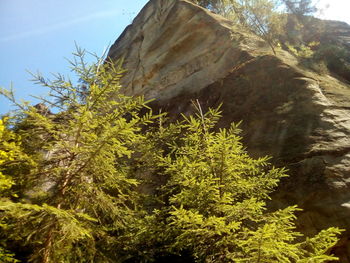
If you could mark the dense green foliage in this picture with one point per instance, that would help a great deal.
(105, 180)
(333, 57)
(9, 152)
(213, 204)
(79, 195)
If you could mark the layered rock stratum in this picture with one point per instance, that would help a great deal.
(176, 52)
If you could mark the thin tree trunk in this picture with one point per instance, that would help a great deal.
(47, 247)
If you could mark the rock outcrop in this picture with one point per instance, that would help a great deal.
(175, 51)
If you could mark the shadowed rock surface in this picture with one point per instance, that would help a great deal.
(176, 52)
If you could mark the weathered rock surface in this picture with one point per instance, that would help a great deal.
(176, 52)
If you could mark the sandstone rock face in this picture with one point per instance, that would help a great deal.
(176, 52)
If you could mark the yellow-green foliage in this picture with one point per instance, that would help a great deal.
(213, 205)
(6, 256)
(87, 194)
(302, 51)
(8, 152)
(115, 186)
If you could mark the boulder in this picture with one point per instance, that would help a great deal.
(176, 52)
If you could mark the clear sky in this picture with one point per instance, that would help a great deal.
(40, 34)
(334, 9)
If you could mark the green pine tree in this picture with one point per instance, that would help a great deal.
(80, 197)
(10, 152)
(213, 204)
(98, 181)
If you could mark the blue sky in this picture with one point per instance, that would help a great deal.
(40, 34)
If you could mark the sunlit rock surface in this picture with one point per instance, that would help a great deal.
(176, 52)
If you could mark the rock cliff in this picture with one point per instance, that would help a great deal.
(175, 51)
